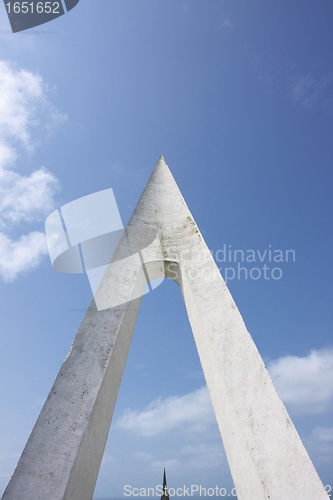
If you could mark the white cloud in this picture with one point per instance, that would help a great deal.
(185, 433)
(23, 103)
(24, 107)
(305, 384)
(20, 91)
(25, 198)
(193, 409)
(21, 255)
(181, 431)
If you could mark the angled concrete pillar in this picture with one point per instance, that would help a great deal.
(63, 454)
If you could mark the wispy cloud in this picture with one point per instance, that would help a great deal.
(142, 455)
(171, 463)
(107, 459)
(227, 24)
(320, 444)
(305, 384)
(193, 410)
(204, 455)
(7, 462)
(186, 429)
(24, 109)
(307, 91)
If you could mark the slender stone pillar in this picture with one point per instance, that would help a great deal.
(63, 454)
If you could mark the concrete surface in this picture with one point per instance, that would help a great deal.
(63, 454)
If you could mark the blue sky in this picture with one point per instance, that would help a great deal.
(238, 97)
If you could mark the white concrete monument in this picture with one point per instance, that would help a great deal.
(62, 457)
